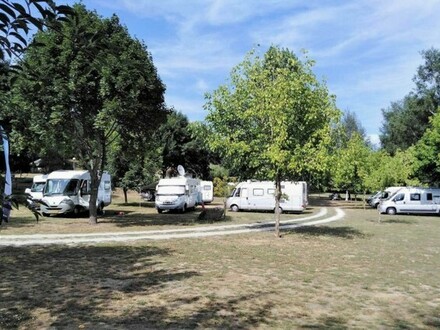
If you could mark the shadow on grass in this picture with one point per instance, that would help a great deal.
(111, 287)
(342, 232)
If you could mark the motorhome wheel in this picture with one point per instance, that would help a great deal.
(234, 208)
(159, 210)
(391, 211)
(77, 210)
(100, 209)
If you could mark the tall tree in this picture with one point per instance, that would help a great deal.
(405, 121)
(273, 120)
(94, 83)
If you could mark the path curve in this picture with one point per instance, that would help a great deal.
(196, 232)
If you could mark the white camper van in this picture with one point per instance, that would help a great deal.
(207, 191)
(35, 192)
(412, 200)
(69, 192)
(260, 195)
(178, 193)
(380, 195)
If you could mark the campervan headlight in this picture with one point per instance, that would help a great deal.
(67, 201)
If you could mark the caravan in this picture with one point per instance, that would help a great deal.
(260, 195)
(69, 192)
(412, 200)
(207, 191)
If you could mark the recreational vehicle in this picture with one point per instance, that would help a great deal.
(69, 192)
(35, 192)
(412, 200)
(178, 193)
(207, 191)
(374, 200)
(260, 195)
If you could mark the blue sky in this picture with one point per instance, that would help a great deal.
(367, 51)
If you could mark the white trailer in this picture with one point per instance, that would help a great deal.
(178, 193)
(69, 192)
(207, 191)
(260, 195)
(414, 200)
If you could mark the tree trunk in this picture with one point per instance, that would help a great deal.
(94, 183)
(125, 195)
(277, 205)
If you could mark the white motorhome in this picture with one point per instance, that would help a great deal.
(207, 191)
(380, 195)
(35, 192)
(69, 192)
(260, 195)
(415, 200)
(178, 193)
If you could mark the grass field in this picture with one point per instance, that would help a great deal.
(356, 273)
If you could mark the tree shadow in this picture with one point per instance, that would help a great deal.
(79, 287)
(342, 232)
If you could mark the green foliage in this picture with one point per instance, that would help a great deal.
(182, 143)
(273, 119)
(17, 20)
(427, 153)
(405, 121)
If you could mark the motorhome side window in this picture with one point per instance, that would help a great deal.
(399, 197)
(258, 191)
(429, 196)
(85, 187)
(237, 192)
(271, 191)
(414, 197)
(71, 187)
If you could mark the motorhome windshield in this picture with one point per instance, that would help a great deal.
(38, 186)
(170, 190)
(60, 187)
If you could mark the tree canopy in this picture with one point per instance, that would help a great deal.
(82, 89)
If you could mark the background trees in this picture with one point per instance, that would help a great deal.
(273, 120)
(82, 90)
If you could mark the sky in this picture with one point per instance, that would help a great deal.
(366, 51)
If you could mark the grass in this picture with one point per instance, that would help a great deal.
(355, 273)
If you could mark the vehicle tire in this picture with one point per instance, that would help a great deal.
(391, 211)
(46, 214)
(159, 210)
(235, 208)
(76, 211)
(376, 205)
(100, 210)
(281, 210)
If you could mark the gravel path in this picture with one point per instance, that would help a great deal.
(195, 232)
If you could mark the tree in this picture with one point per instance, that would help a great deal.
(94, 84)
(351, 166)
(18, 19)
(273, 120)
(405, 121)
(427, 153)
(182, 143)
(352, 126)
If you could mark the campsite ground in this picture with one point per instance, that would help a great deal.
(366, 271)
